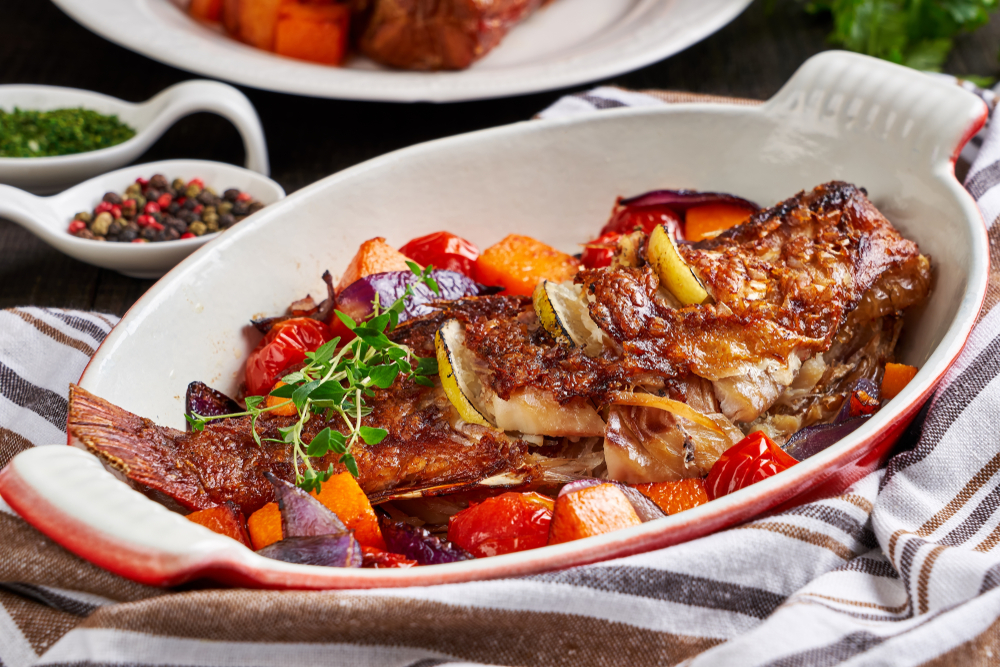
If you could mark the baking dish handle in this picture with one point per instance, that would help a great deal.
(847, 93)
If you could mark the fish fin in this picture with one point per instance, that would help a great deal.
(144, 452)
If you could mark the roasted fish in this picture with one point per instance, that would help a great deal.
(803, 300)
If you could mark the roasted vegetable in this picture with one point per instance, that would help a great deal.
(591, 511)
(207, 402)
(896, 377)
(507, 523)
(356, 300)
(225, 520)
(317, 33)
(374, 256)
(710, 220)
(342, 495)
(264, 526)
(378, 559)
(674, 497)
(749, 461)
(328, 550)
(443, 250)
(673, 271)
(519, 263)
(419, 545)
(285, 344)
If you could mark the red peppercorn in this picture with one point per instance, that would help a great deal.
(116, 212)
(103, 207)
(76, 226)
(142, 181)
(243, 196)
(164, 200)
(139, 241)
(187, 235)
(180, 201)
(155, 225)
(196, 181)
(151, 207)
(144, 220)
(198, 209)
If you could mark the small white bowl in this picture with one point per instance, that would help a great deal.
(150, 119)
(49, 217)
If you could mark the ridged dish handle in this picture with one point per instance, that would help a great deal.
(189, 97)
(907, 110)
(26, 209)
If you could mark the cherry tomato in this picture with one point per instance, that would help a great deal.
(600, 251)
(445, 251)
(752, 459)
(285, 344)
(372, 557)
(626, 219)
(504, 524)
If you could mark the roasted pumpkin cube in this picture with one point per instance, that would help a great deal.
(594, 510)
(374, 256)
(507, 523)
(224, 520)
(896, 377)
(519, 263)
(708, 220)
(257, 21)
(206, 10)
(674, 497)
(264, 526)
(317, 33)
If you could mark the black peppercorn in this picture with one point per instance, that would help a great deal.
(241, 208)
(226, 220)
(158, 182)
(113, 198)
(231, 194)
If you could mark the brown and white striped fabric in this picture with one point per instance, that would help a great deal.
(903, 569)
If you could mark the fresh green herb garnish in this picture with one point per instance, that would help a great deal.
(26, 133)
(335, 383)
(915, 33)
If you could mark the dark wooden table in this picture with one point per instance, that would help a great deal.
(312, 138)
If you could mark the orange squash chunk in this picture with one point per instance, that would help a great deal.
(287, 410)
(206, 10)
(257, 21)
(224, 520)
(708, 220)
(896, 377)
(674, 497)
(374, 256)
(342, 496)
(264, 526)
(346, 499)
(519, 263)
(591, 511)
(317, 33)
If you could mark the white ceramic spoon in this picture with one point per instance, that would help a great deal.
(49, 217)
(44, 175)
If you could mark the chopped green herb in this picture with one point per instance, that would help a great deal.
(26, 133)
(334, 384)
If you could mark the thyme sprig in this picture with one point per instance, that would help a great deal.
(335, 383)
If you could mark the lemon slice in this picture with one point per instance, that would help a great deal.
(457, 375)
(563, 311)
(674, 272)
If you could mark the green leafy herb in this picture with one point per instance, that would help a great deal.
(26, 133)
(334, 384)
(916, 33)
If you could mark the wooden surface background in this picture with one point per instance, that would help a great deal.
(312, 138)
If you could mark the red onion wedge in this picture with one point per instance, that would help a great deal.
(357, 298)
(419, 545)
(207, 402)
(301, 514)
(328, 550)
(862, 403)
(682, 200)
(643, 506)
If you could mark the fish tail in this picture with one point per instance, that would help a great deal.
(136, 447)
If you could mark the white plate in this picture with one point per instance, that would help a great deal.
(842, 116)
(565, 44)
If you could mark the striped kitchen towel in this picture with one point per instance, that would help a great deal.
(901, 569)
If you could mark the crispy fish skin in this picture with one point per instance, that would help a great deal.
(224, 463)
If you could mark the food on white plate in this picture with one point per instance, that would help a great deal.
(408, 34)
(440, 419)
